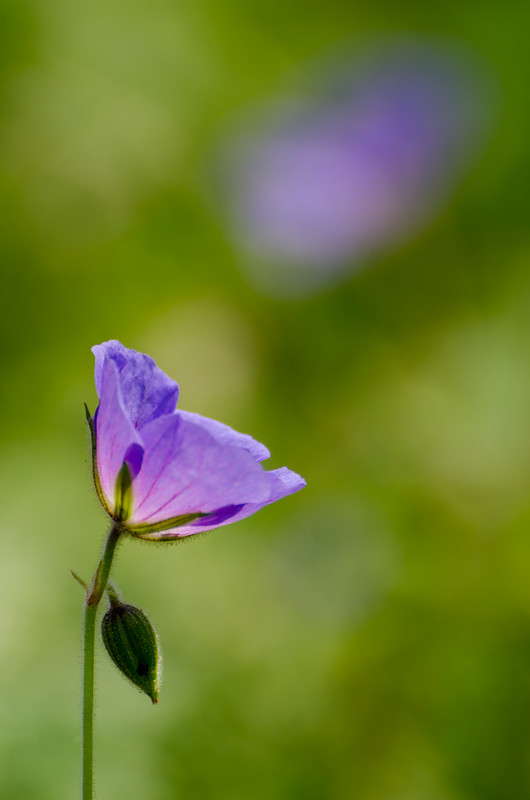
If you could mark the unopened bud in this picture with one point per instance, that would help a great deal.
(131, 643)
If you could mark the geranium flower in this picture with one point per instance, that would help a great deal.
(162, 473)
(327, 176)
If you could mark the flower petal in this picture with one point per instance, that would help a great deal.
(115, 433)
(185, 470)
(226, 435)
(147, 392)
(282, 482)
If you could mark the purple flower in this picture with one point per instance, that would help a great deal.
(162, 473)
(352, 163)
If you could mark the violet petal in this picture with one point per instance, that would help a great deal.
(282, 482)
(223, 434)
(147, 392)
(115, 434)
(185, 470)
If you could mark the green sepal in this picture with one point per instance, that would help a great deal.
(132, 644)
(123, 494)
(95, 473)
(145, 530)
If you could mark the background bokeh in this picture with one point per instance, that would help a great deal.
(369, 637)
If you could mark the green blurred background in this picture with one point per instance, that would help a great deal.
(369, 637)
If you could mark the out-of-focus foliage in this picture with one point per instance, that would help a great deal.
(370, 636)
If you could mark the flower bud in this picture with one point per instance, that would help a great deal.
(131, 642)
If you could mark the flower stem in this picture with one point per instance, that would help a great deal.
(93, 596)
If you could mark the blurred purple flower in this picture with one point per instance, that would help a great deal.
(352, 164)
(163, 473)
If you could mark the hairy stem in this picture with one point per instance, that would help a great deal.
(93, 596)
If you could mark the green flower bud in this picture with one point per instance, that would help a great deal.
(131, 643)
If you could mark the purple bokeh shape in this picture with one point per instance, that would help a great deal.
(352, 164)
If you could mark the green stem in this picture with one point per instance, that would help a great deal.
(93, 597)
